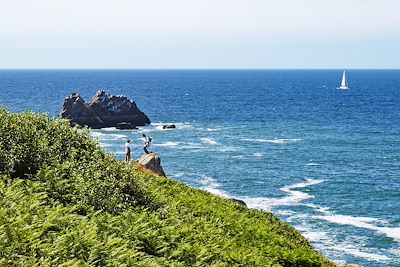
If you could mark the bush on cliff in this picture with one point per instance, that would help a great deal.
(67, 161)
(63, 202)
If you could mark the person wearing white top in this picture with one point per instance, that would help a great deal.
(128, 150)
(147, 141)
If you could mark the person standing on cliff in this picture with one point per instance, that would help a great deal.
(128, 150)
(147, 141)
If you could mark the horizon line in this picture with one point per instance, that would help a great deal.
(197, 69)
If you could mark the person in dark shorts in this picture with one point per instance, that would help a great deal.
(147, 141)
(128, 150)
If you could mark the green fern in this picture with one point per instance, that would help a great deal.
(64, 202)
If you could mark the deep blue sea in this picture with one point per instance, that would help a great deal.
(325, 161)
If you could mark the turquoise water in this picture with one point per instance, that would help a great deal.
(325, 161)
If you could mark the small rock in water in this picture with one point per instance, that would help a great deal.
(170, 126)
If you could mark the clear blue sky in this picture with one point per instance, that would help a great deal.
(199, 34)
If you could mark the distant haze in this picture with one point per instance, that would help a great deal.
(199, 34)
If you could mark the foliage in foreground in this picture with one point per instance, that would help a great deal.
(63, 202)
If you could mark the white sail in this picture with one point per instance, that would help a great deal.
(344, 84)
(343, 79)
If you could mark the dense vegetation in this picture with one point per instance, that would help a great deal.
(64, 202)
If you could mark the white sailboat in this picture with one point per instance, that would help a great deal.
(344, 85)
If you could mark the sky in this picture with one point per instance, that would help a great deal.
(195, 34)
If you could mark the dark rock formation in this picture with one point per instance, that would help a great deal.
(169, 126)
(238, 201)
(153, 163)
(103, 111)
(126, 126)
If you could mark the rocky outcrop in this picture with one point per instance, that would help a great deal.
(126, 126)
(153, 163)
(104, 110)
(238, 201)
(169, 126)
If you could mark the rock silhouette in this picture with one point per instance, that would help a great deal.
(104, 110)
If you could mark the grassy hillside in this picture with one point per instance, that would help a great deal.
(63, 202)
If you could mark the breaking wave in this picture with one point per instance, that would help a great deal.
(277, 141)
(294, 197)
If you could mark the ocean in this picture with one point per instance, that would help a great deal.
(324, 160)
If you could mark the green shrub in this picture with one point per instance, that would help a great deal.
(20, 143)
(29, 141)
(67, 160)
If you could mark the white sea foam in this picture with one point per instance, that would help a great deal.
(209, 141)
(316, 236)
(227, 149)
(393, 233)
(320, 238)
(209, 182)
(284, 212)
(313, 164)
(178, 175)
(294, 197)
(277, 141)
(217, 146)
(105, 144)
(317, 208)
(167, 144)
(212, 129)
(258, 155)
(263, 203)
(119, 136)
(363, 222)
(190, 146)
(354, 251)
(107, 136)
(96, 134)
(159, 127)
(395, 251)
(217, 192)
(306, 183)
(327, 241)
(211, 185)
(109, 129)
